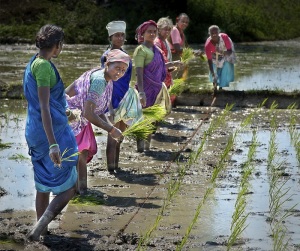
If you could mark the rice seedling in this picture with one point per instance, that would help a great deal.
(239, 216)
(4, 145)
(175, 183)
(155, 113)
(173, 188)
(18, 157)
(177, 87)
(70, 157)
(187, 55)
(87, 200)
(140, 130)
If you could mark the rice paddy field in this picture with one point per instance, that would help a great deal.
(216, 177)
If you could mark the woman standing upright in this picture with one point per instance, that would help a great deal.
(164, 27)
(220, 55)
(47, 131)
(125, 108)
(177, 38)
(150, 73)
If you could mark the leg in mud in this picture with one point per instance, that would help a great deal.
(147, 142)
(54, 208)
(140, 145)
(82, 173)
(41, 204)
(113, 149)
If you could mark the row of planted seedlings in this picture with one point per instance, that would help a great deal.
(293, 130)
(176, 181)
(278, 189)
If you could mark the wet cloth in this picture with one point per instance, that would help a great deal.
(46, 175)
(154, 75)
(91, 86)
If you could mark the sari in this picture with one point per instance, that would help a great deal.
(153, 77)
(49, 178)
(81, 127)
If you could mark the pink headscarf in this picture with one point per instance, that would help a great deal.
(117, 55)
(141, 30)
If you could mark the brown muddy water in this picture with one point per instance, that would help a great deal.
(163, 194)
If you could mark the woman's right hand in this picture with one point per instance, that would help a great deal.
(143, 98)
(54, 154)
(116, 134)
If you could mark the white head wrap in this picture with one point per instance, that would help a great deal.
(116, 26)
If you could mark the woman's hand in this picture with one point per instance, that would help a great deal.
(54, 154)
(116, 134)
(143, 98)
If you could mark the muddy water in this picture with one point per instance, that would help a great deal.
(265, 65)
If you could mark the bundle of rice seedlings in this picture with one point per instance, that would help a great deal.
(177, 87)
(187, 55)
(140, 130)
(155, 113)
(69, 158)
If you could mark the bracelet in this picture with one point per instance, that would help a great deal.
(142, 94)
(69, 113)
(112, 130)
(52, 145)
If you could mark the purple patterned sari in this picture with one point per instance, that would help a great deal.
(82, 85)
(154, 75)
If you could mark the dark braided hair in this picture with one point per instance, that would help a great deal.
(48, 36)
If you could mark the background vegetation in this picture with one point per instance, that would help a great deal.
(84, 21)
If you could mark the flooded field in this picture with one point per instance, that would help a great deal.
(215, 178)
(157, 196)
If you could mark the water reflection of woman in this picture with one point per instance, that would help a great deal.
(219, 50)
(125, 106)
(47, 131)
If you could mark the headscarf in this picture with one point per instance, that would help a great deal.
(141, 30)
(117, 55)
(115, 26)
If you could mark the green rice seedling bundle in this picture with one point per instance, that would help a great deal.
(155, 112)
(177, 87)
(187, 55)
(140, 130)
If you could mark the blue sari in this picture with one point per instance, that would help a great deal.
(49, 178)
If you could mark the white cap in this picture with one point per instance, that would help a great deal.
(116, 26)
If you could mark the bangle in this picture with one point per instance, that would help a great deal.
(112, 130)
(52, 145)
(68, 115)
(142, 94)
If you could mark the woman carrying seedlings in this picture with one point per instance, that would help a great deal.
(164, 26)
(150, 73)
(220, 55)
(47, 131)
(177, 38)
(89, 97)
(125, 108)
